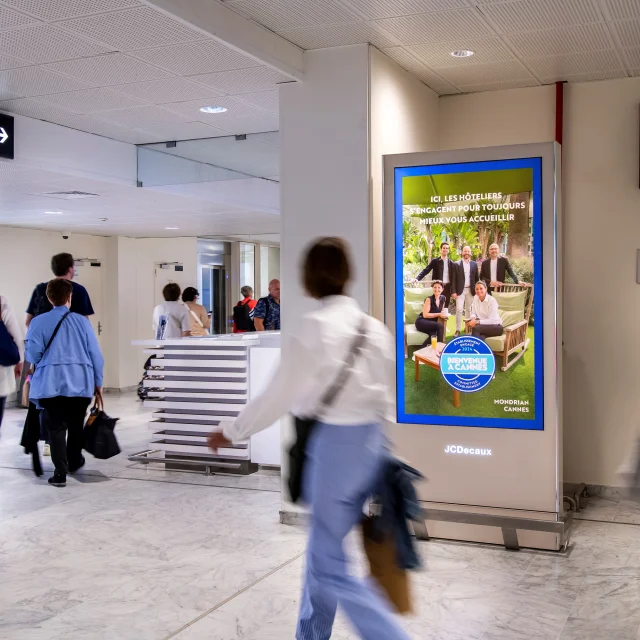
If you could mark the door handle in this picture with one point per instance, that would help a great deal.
(99, 328)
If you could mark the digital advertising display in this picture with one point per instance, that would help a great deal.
(468, 287)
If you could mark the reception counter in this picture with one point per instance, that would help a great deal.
(195, 385)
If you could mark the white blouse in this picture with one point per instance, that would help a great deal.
(7, 377)
(312, 358)
(485, 311)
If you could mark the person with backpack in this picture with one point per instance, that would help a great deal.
(69, 371)
(266, 315)
(200, 320)
(63, 268)
(171, 319)
(11, 352)
(243, 312)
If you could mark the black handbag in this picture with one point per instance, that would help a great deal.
(9, 353)
(99, 437)
(305, 426)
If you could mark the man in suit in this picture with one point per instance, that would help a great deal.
(463, 286)
(494, 269)
(442, 269)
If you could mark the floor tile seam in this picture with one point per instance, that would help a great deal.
(188, 484)
(246, 588)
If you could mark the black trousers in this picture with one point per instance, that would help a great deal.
(487, 330)
(430, 327)
(61, 415)
(2, 402)
(447, 295)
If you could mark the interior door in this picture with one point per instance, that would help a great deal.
(90, 275)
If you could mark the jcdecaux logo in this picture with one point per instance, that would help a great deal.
(466, 451)
(467, 364)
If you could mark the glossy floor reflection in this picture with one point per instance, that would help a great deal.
(127, 553)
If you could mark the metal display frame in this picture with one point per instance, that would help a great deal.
(523, 479)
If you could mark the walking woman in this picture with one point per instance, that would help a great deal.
(8, 374)
(346, 447)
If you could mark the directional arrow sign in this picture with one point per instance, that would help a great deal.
(6, 137)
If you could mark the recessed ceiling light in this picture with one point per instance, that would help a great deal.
(213, 109)
(103, 219)
(462, 53)
(53, 213)
(171, 228)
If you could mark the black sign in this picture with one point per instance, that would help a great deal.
(6, 136)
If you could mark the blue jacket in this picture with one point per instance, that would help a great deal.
(73, 364)
(397, 502)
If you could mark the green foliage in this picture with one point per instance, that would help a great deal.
(523, 268)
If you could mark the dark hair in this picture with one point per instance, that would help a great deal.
(435, 282)
(171, 292)
(61, 263)
(246, 291)
(190, 294)
(443, 243)
(326, 268)
(59, 291)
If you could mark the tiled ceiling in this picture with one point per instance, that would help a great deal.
(517, 43)
(118, 209)
(123, 70)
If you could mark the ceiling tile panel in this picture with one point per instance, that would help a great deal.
(253, 124)
(561, 66)
(243, 80)
(339, 36)
(36, 81)
(438, 54)
(12, 63)
(590, 37)
(484, 73)
(531, 15)
(132, 29)
(436, 82)
(167, 90)
(8, 95)
(377, 9)
(198, 57)
(34, 109)
(191, 110)
(267, 100)
(633, 57)
(109, 69)
(51, 10)
(186, 131)
(622, 9)
(12, 19)
(498, 86)
(95, 125)
(628, 31)
(46, 43)
(283, 15)
(138, 117)
(434, 27)
(91, 100)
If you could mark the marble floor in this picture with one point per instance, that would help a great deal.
(125, 552)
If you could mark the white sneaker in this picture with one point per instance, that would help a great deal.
(46, 450)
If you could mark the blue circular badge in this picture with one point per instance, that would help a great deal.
(467, 364)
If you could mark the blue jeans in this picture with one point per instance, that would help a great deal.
(342, 467)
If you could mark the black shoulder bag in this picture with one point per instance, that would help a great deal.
(305, 426)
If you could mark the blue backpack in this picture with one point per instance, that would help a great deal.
(9, 353)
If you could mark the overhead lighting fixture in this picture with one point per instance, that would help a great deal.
(53, 213)
(462, 53)
(213, 109)
(171, 228)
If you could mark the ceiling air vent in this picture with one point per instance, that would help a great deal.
(70, 195)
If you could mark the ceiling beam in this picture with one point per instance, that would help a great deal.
(226, 26)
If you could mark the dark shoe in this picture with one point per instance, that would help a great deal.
(456, 334)
(58, 480)
(74, 469)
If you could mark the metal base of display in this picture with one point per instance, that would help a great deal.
(205, 466)
(508, 524)
(574, 495)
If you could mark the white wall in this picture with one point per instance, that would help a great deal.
(601, 201)
(403, 119)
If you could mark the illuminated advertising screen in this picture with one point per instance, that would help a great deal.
(468, 294)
